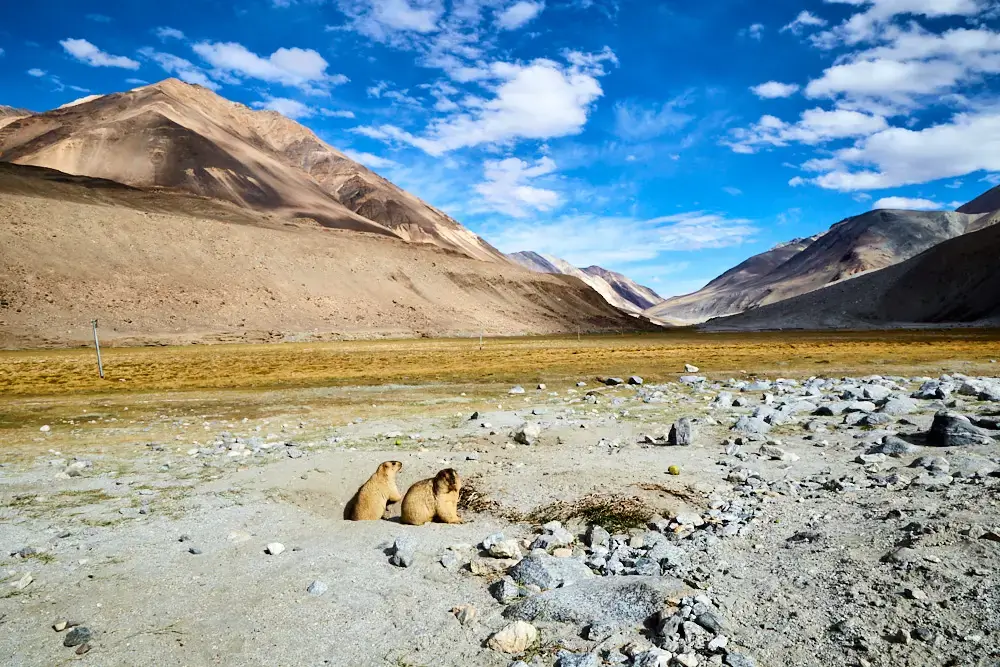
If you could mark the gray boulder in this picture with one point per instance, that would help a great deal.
(527, 434)
(682, 432)
(546, 572)
(951, 429)
(899, 406)
(893, 446)
(567, 659)
(751, 426)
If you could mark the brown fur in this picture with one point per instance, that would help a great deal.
(370, 501)
(433, 499)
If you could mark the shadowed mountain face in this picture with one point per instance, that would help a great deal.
(163, 266)
(618, 290)
(866, 242)
(177, 135)
(954, 282)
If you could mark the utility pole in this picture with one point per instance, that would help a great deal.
(480, 341)
(97, 346)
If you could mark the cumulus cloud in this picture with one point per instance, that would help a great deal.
(907, 203)
(382, 19)
(286, 107)
(774, 90)
(815, 126)
(183, 69)
(301, 68)
(755, 31)
(89, 54)
(538, 100)
(894, 157)
(802, 22)
(519, 14)
(35, 72)
(371, 161)
(865, 26)
(583, 240)
(507, 188)
(336, 113)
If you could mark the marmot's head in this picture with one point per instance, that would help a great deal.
(447, 480)
(390, 467)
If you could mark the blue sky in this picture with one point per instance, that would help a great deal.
(666, 140)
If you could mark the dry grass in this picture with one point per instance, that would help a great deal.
(520, 360)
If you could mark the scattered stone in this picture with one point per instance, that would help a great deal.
(751, 426)
(596, 536)
(194, 551)
(547, 572)
(505, 549)
(899, 406)
(317, 588)
(892, 445)
(449, 559)
(466, 614)
(527, 434)
(739, 660)
(621, 601)
(403, 553)
(567, 659)
(613, 382)
(275, 548)
(60, 625)
(635, 380)
(690, 368)
(77, 636)
(682, 432)
(777, 453)
(83, 649)
(23, 582)
(45, 429)
(518, 389)
(513, 639)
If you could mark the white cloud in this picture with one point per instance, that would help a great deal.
(774, 89)
(302, 68)
(865, 26)
(507, 189)
(89, 54)
(98, 18)
(519, 14)
(803, 21)
(992, 179)
(381, 20)
(166, 32)
(583, 240)
(540, 100)
(137, 82)
(907, 203)
(2, 52)
(371, 161)
(755, 31)
(815, 126)
(732, 191)
(183, 69)
(898, 156)
(336, 113)
(286, 107)
(35, 72)
(637, 122)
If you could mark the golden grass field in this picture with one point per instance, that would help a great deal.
(656, 357)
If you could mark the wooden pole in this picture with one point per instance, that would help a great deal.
(97, 346)
(480, 341)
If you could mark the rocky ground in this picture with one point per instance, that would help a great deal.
(829, 521)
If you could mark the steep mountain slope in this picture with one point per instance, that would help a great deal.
(619, 291)
(177, 135)
(954, 282)
(9, 114)
(866, 242)
(987, 202)
(640, 295)
(158, 266)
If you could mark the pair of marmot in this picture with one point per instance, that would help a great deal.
(427, 500)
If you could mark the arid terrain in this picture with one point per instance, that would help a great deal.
(808, 499)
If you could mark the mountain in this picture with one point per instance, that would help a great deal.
(618, 290)
(643, 297)
(10, 114)
(162, 266)
(863, 243)
(987, 202)
(181, 136)
(954, 282)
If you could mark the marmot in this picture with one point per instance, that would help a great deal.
(433, 499)
(369, 503)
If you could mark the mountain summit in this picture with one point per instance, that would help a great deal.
(177, 135)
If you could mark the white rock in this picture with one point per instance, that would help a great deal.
(515, 638)
(275, 548)
(689, 368)
(45, 429)
(23, 582)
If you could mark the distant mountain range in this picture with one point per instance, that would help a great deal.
(618, 290)
(857, 245)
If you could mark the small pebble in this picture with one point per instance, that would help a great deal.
(77, 636)
(275, 548)
(317, 588)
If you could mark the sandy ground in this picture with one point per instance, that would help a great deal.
(110, 556)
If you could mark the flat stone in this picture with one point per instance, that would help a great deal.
(77, 636)
(505, 549)
(739, 660)
(547, 572)
(317, 588)
(892, 446)
(751, 426)
(635, 380)
(275, 548)
(567, 659)
(624, 600)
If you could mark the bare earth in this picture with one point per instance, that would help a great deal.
(113, 496)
